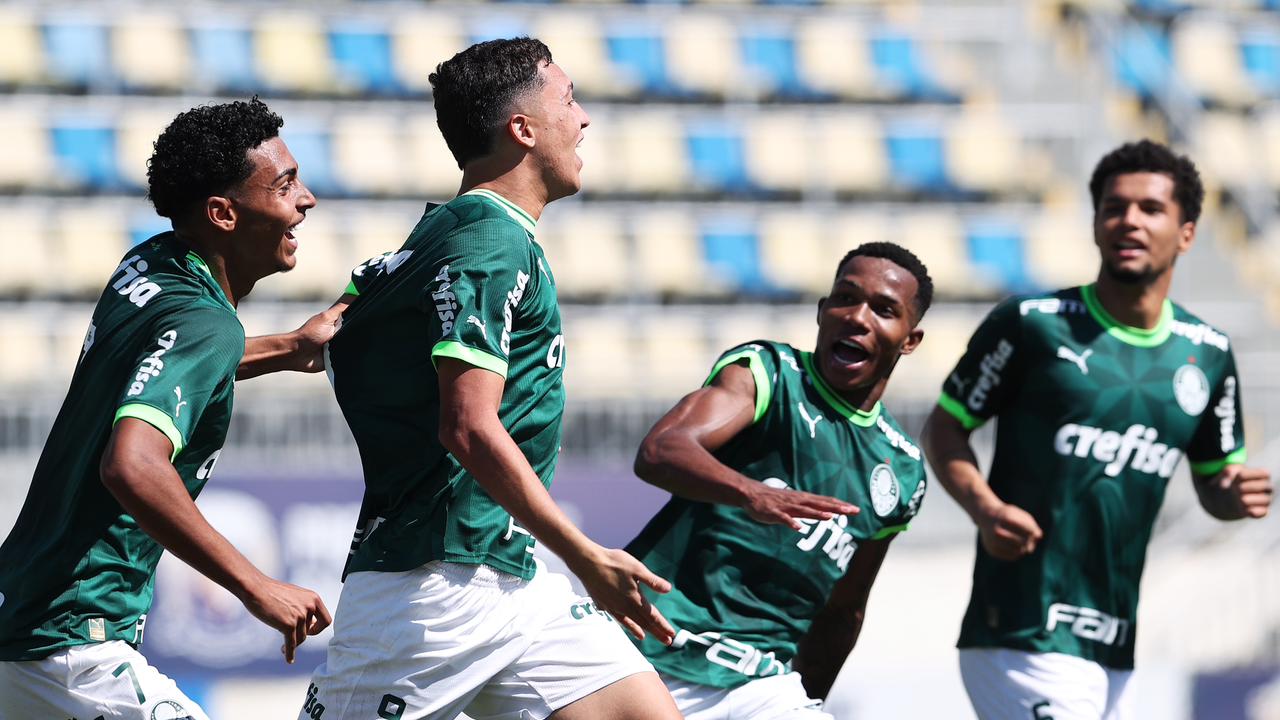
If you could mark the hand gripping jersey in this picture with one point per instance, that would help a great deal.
(470, 283)
(1094, 418)
(744, 593)
(162, 347)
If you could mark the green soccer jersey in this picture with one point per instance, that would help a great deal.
(162, 347)
(1094, 418)
(744, 593)
(471, 284)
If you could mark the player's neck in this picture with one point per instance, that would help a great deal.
(1137, 305)
(233, 288)
(517, 185)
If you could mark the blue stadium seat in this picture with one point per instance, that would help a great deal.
(996, 250)
(771, 56)
(145, 225)
(362, 59)
(493, 27)
(86, 154)
(716, 157)
(1261, 57)
(731, 249)
(916, 158)
(224, 58)
(641, 56)
(1142, 58)
(310, 147)
(77, 53)
(901, 69)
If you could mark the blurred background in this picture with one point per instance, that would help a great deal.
(737, 150)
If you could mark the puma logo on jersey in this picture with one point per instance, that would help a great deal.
(812, 421)
(132, 283)
(476, 321)
(177, 411)
(1136, 448)
(1067, 353)
(151, 365)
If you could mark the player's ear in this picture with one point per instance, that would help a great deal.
(221, 212)
(1186, 236)
(821, 301)
(914, 338)
(520, 129)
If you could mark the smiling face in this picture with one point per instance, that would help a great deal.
(559, 122)
(864, 325)
(268, 208)
(1139, 229)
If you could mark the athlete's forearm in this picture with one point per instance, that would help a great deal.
(946, 444)
(676, 462)
(271, 353)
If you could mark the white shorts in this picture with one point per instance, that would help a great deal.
(776, 696)
(108, 679)
(1016, 685)
(448, 638)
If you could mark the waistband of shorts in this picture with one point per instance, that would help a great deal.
(474, 575)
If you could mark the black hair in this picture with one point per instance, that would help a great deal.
(204, 152)
(904, 259)
(473, 91)
(1149, 156)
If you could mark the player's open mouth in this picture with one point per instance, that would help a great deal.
(1129, 248)
(849, 353)
(291, 234)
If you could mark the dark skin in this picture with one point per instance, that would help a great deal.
(1140, 231)
(870, 307)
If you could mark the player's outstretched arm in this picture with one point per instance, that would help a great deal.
(471, 430)
(301, 350)
(136, 470)
(834, 631)
(1235, 493)
(1008, 532)
(677, 456)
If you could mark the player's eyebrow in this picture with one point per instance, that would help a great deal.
(290, 173)
(880, 296)
(568, 91)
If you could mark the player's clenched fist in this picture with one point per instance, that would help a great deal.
(1008, 532)
(1249, 488)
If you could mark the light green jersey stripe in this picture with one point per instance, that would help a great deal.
(958, 411)
(764, 391)
(1213, 467)
(1138, 337)
(861, 418)
(470, 356)
(155, 418)
(888, 530)
(515, 211)
(351, 288)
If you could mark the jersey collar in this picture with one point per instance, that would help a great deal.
(197, 263)
(861, 418)
(1138, 337)
(515, 211)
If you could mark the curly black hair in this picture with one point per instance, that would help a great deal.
(474, 89)
(904, 259)
(1152, 157)
(203, 153)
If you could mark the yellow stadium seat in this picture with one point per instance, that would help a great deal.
(668, 257)
(21, 51)
(28, 351)
(600, 356)
(850, 230)
(379, 228)
(27, 248)
(151, 51)
(834, 57)
(937, 238)
(592, 257)
(578, 46)
(600, 170)
(797, 327)
(674, 353)
(136, 134)
(651, 153)
(1207, 57)
(368, 153)
(983, 152)
(431, 169)
(945, 338)
(1226, 148)
(26, 149)
(860, 165)
(421, 41)
(739, 325)
(779, 151)
(323, 266)
(291, 51)
(1060, 250)
(88, 245)
(1269, 149)
(792, 250)
(702, 53)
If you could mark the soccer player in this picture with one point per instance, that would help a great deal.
(771, 572)
(1100, 390)
(141, 429)
(448, 368)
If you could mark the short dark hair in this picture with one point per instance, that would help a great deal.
(204, 152)
(473, 91)
(904, 259)
(1149, 156)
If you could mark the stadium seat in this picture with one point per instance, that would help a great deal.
(936, 237)
(602, 171)
(152, 52)
(639, 60)
(851, 229)
(652, 157)
(916, 157)
(432, 173)
(419, 42)
(85, 151)
(592, 259)
(1060, 251)
(311, 146)
(778, 151)
(77, 53)
(28, 359)
(136, 134)
(368, 154)
(669, 258)
(1227, 148)
(291, 52)
(1210, 62)
(740, 325)
(1142, 59)
(1269, 149)
(1260, 53)
(27, 246)
(996, 254)
(88, 243)
(703, 55)
(376, 228)
(900, 67)
(600, 356)
(770, 65)
(26, 146)
(223, 58)
(792, 247)
(21, 52)
(833, 57)
(69, 328)
(862, 164)
(324, 264)
(483, 28)
(144, 225)
(674, 355)
(731, 249)
(716, 157)
(577, 43)
(984, 153)
(362, 59)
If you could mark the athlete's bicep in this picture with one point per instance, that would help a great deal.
(467, 392)
(133, 444)
(714, 414)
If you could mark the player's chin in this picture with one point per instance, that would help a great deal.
(286, 262)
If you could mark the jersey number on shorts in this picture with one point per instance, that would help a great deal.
(133, 677)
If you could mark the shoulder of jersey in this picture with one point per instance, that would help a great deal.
(1197, 331)
(896, 437)
(1066, 302)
